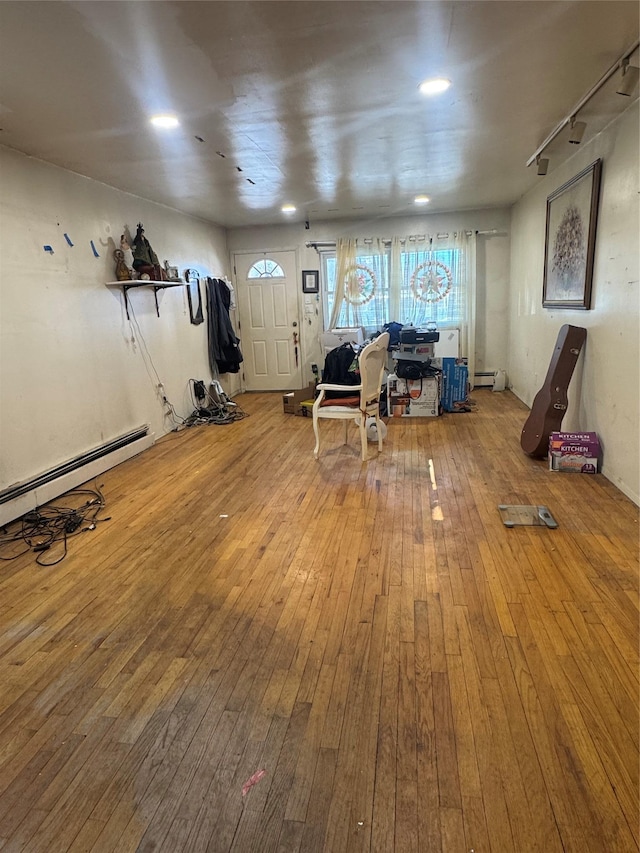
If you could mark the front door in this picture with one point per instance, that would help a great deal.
(269, 325)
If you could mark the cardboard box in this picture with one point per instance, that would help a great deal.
(413, 398)
(291, 400)
(574, 451)
(455, 384)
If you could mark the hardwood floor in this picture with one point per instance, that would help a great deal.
(410, 674)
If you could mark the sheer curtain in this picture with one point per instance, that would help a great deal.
(433, 281)
(410, 280)
(362, 285)
(466, 243)
(345, 260)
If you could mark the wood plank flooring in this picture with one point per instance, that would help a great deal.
(410, 674)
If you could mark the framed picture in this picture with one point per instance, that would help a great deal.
(570, 239)
(171, 271)
(310, 281)
(192, 278)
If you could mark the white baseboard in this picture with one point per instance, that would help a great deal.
(46, 492)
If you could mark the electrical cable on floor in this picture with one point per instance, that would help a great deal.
(208, 409)
(44, 526)
(179, 421)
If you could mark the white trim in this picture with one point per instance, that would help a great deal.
(43, 494)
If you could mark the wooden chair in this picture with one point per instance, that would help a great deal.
(357, 401)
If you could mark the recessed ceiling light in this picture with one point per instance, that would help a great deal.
(421, 199)
(435, 86)
(288, 208)
(164, 121)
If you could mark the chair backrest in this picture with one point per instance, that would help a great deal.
(372, 361)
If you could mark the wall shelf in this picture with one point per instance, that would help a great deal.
(156, 285)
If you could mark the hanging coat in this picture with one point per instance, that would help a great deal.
(224, 353)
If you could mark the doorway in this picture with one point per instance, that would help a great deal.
(269, 322)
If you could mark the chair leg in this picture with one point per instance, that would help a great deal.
(379, 431)
(363, 437)
(316, 449)
(346, 432)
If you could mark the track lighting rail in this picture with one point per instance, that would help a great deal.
(619, 63)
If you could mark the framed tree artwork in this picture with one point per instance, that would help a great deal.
(570, 238)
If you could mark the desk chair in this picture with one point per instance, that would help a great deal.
(358, 401)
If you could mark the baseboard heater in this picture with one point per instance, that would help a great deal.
(484, 379)
(22, 497)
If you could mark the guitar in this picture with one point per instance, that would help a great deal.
(550, 403)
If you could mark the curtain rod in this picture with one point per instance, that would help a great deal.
(331, 244)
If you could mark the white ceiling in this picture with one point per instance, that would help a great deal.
(313, 103)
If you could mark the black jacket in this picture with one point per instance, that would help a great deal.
(224, 353)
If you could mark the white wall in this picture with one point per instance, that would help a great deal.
(492, 268)
(603, 395)
(73, 371)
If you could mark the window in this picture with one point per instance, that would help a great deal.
(428, 288)
(367, 295)
(266, 269)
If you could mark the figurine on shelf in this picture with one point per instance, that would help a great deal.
(128, 254)
(145, 259)
(122, 270)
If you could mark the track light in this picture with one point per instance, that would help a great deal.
(628, 79)
(626, 83)
(577, 131)
(543, 164)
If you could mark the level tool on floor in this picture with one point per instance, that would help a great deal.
(531, 516)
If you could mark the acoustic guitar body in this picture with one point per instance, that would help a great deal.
(550, 403)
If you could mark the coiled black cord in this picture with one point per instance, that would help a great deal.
(40, 528)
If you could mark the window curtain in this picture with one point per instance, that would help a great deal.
(395, 280)
(362, 285)
(467, 279)
(434, 280)
(345, 260)
(409, 281)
